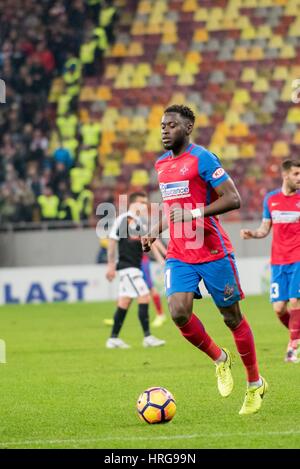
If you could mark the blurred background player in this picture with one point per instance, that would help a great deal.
(281, 210)
(126, 233)
(190, 175)
(159, 251)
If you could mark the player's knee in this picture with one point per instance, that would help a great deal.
(279, 309)
(294, 303)
(232, 322)
(179, 312)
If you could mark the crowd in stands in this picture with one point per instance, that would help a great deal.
(41, 41)
(87, 82)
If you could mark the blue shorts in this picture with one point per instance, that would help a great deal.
(220, 277)
(285, 282)
(145, 267)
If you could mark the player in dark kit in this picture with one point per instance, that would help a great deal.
(193, 179)
(281, 209)
(126, 232)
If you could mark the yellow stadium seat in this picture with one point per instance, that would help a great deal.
(201, 15)
(135, 49)
(240, 130)
(249, 74)
(153, 28)
(296, 139)
(202, 120)
(261, 85)
(144, 7)
(280, 149)
(293, 116)
(256, 53)
(178, 98)
(216, 149)
(132, 156)
(276, 42)
(200, 35)
(138, 81)
(144, 68)
(84, 116)
(169, 27)
(287, 52)
(230, 152)
(241, 96)
(87, 93)
(169, 38)
(112, 168)
(186, 79)
(174, 67)
(280, 73)
(240, 53)
(247, 150)
(138, 28)
(232, 117)
(123, 124)
(292, 9)
(103, 93)
(190, 5)
(264, 31)
(111, 71)
(153, 141)
(118, 50)
(248, 33)
(138, 124)
(286, 93)
(193, 57)
(281, 2)
(213, 24)
(190, 68)
(139, 177)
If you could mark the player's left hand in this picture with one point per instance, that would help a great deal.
(180, 215)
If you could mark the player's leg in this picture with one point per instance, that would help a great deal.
(222, 281)
(293, 271)
(281, 310)
(181, 282)
(160, 318)
(119, 317)
(143, 312)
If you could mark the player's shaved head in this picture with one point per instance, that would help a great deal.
(184, 111)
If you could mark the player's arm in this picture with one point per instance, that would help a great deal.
(150, 237)
(261, 232)
(111, 259)
(157, 251)
(229, 199)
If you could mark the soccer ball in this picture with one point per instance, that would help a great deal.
(156, 405)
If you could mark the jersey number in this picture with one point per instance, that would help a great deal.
(274, 290)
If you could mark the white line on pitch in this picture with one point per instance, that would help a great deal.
(144, 438)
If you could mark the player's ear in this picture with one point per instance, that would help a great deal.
(189, 127)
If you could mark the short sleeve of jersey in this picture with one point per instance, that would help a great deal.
(266, 211)
(115, 231)
(210, 169)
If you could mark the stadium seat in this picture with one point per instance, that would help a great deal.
(139, 177)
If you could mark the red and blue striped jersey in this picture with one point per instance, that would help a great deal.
(188, 180)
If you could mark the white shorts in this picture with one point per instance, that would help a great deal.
(132, 283)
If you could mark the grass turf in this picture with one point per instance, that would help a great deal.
(61, 388)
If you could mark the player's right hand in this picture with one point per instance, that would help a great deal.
(110, 273)
(246, 234)
(147, 241)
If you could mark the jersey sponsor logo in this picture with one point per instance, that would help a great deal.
(273, 204)
(174, 190)
(279, 216)
(218, 173)
(298, 204)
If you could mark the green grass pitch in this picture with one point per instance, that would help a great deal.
(61, 388)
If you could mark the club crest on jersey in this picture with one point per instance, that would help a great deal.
(174, 190)
(218, 173)
(184, 170)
